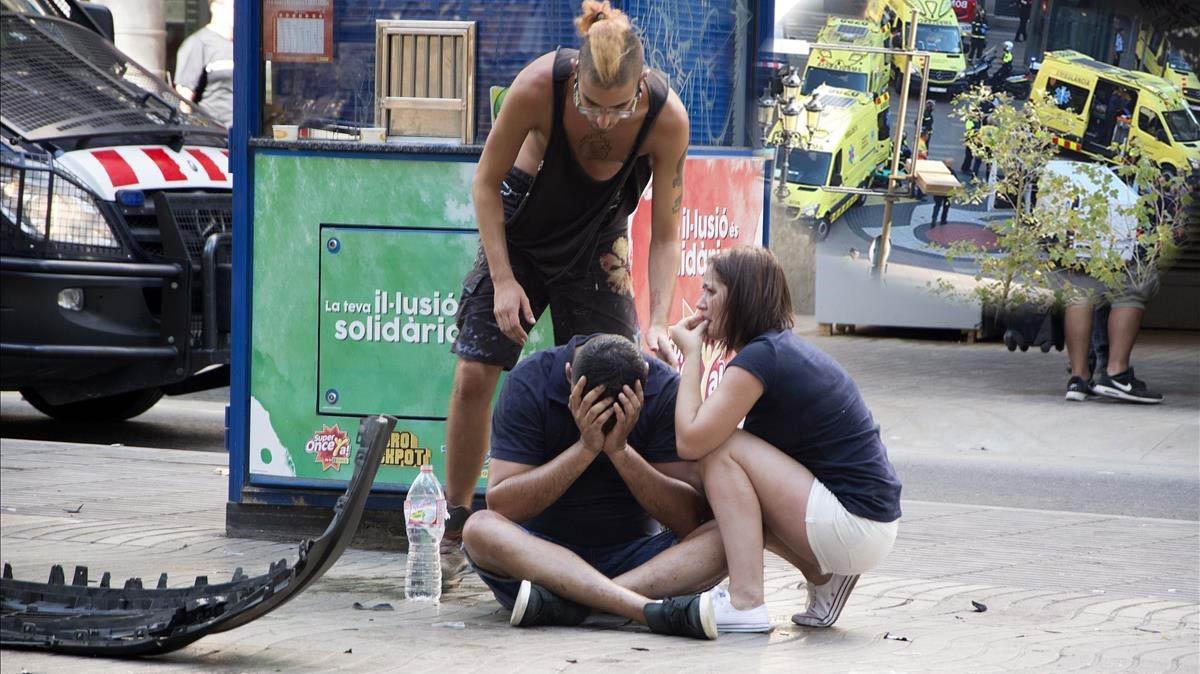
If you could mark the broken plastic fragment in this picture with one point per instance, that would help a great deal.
(384, 606)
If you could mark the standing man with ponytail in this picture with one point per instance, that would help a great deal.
(579, 137)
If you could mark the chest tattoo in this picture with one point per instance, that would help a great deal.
(595, 145)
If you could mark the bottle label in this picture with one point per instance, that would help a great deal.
(426, 513)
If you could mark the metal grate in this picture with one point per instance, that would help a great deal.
(50, 214)
(199, 217)
(58, 79)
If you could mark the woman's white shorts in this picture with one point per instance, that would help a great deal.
(843, 542)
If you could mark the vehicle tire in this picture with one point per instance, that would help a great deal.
(821, 229)
(1011, 340)
(107, 409)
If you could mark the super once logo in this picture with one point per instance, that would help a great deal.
(330, 446)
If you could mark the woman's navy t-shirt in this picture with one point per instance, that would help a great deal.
(812, 411)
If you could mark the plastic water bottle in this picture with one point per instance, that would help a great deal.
(425, 514)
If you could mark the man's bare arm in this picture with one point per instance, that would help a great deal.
(669, 157)
(670, 500)
(520, 492)
(522, 105)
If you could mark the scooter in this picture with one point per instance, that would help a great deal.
(977, 73)
(1016, 85)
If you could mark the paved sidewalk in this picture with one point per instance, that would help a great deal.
(1063, 590)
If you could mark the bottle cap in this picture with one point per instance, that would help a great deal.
(426, 468)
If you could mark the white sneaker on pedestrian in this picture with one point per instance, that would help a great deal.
(730, 619)
(825, 602)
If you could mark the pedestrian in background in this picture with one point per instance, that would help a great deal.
(1118, 46)
(941, 202)
(970, 163)
(927, 121)
(1024, 8)
(204, 64)
(979, 30)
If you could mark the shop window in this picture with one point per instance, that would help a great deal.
(424, 77)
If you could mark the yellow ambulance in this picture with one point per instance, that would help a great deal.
(937, 33)
(1101, 110)
(865, 72)
(1156, 55)
(842, 149)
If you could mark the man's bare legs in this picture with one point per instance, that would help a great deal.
(1123, 326)
(1077, 333)
(693, 565)
(750, 485)
(468, 426)
(498, 545)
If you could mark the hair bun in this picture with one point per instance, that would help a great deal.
(595, 11)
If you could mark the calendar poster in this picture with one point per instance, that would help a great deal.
(298, 30)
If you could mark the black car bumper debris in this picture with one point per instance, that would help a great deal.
(133, 620)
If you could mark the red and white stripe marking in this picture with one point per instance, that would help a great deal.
(149, 167)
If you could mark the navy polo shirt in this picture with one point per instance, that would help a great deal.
(812, 411)
(531, 424)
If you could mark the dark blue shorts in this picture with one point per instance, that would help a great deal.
(611, 560)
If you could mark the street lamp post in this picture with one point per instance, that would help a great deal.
(774, 112)
(881, 246)
(785, 112)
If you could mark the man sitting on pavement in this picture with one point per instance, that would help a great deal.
(583, 478)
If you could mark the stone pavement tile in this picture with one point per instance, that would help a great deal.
(1052, 602)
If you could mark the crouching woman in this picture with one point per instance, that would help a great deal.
(807, 476)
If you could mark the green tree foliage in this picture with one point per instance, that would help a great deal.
(1089, 225)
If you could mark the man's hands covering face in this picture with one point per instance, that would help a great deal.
(591, 411)
(627, 408)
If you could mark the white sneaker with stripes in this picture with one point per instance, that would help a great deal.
(825, 602)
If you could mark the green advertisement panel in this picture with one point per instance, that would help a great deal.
(358, 269)
(388, 302)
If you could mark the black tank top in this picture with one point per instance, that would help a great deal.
(567, 213)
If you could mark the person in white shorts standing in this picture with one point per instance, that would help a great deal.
(807, 476)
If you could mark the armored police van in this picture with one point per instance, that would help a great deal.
(115, 224)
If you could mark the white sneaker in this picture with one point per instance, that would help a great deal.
(730, 619)
(825, 602)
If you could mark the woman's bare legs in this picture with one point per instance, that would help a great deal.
(751, 485)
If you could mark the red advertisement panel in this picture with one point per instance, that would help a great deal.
(964, 9)
(722, 207)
